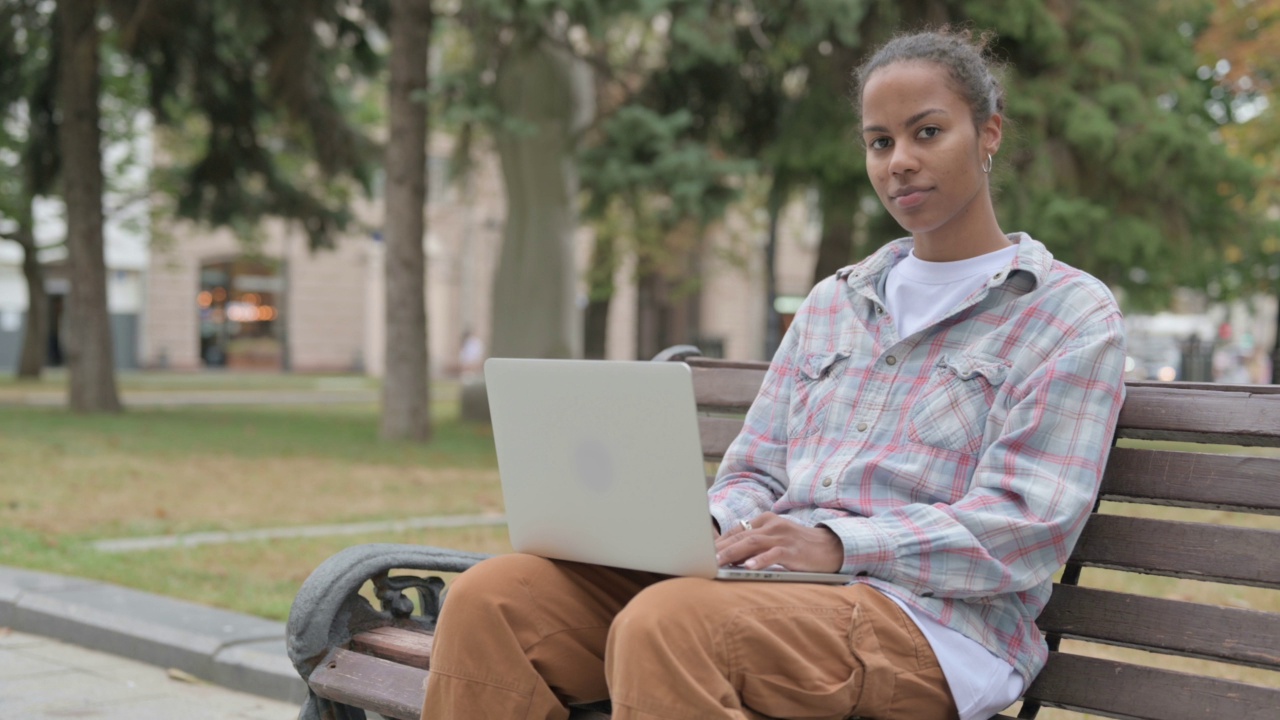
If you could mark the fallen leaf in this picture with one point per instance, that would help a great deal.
(183, 676)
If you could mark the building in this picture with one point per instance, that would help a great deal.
(127, 259)
(213, 303)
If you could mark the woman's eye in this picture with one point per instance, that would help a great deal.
(879, 143)
(928, 132)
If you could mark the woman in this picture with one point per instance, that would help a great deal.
(934, 425)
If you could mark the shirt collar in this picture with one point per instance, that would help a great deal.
(1033, 259)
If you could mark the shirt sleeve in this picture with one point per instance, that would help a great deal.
(753, 473)
(1031, 493)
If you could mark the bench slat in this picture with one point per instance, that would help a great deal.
(1200, 551)
(1117, 689)
(1167, 413)
(717, 433)
(1172, 626)
(408, 647)
(1200, 480)
(720, 364)
(1210, 386)
(385, 687)
(726, 390)
(388, 688)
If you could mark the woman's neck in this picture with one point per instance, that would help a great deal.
(963, 237)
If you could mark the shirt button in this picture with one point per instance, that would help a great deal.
(862, 427)
(826, 482)
(891, 360)
(879, 310)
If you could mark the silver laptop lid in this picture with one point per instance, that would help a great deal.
(601, 462)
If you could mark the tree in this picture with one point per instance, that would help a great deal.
(652, 191)
(406, 395)
(1117, 171)
(769, 84)
(553, 83)
(89, 350)
(28, 155)
(267, 131)
(545, 79)
(543, 85)
(1238, 50)
(1111, 159)
(215, 65)
(520, 80)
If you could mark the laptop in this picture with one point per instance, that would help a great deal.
(601, 463)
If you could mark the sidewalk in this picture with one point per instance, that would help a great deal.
(112, 631)
(187, 398)
(43, 679)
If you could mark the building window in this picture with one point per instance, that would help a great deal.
(240, 319)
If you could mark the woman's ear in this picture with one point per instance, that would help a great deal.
(992, 133)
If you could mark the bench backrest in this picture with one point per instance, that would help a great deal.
(1174, 503)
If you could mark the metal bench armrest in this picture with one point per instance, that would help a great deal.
(328, 609)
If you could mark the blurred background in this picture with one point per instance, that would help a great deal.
(286, 233)
(597, 178)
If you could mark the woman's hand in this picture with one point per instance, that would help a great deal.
(772, 540)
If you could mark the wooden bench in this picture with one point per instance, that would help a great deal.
(355, 656)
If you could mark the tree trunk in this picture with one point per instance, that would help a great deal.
(773, 321)
(89, 355)
(35, 339)
(835, 248)
(405, 391)
(1275, 347)
(534, 305)
(669, 309)
(604, 263)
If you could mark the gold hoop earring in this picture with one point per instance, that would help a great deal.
(986, 167)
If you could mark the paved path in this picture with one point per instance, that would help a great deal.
(235, 651)
(136, 544)
(189, 398)
(44, 679)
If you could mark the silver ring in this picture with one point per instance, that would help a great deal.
(746, 525)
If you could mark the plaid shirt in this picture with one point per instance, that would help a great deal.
(958, 465)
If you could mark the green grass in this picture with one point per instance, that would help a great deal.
(70, 479)
(330, 432)
(259, 578)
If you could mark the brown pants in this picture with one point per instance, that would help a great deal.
(521, 636)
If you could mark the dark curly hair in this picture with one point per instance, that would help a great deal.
(974, 74)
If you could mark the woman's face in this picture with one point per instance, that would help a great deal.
(924, 156)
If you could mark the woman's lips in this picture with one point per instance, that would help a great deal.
(910, 198)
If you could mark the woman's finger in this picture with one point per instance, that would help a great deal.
(768, 558)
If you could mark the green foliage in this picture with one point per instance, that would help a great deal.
(274, 134)
(28, 147)
(1113, 154)
(644, 180)
(1114, 159)
(641, 151)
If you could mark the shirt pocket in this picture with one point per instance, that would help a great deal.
(816, 381)
(952, 412)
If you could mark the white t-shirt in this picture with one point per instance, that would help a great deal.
(918, 294)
